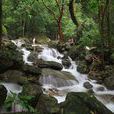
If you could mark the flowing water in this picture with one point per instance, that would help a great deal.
(59, 92)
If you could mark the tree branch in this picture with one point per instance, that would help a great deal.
(57, 3)
(71, 9)
(51, 11)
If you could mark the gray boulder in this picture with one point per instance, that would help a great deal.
(57, 78)
(47, 105)
(14, 76)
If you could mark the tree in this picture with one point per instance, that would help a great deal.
(75, 21)
(58, 19)
(104, 22)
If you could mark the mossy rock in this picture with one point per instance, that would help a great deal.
(47, 105)
(33, 70)
(50, 64)
(14, 76)
(83, 103)
(10, 58)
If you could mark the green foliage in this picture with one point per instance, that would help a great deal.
(4, 30)
(91, 34)
(22, 100)
(9, 101)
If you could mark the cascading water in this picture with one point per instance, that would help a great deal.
(50, 54)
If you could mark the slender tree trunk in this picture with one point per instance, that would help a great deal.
(23, 32)
(0, 21)
(60, 32)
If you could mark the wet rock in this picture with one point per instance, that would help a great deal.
(14, 76)
(47, 105)
(57, 78)
(50, 64)
(60, 74)
(3, 95)
(100, 89)
(33, 90)
(65, 60)
(33, 70)
(66, 63)
(83, 67)
(33, 57)
(83, 103)
(87, 85)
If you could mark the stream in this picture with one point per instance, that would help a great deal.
(49, 83)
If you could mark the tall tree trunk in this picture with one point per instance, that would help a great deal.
(60, 32)
(0, 21)
(59, 21)
(23, 32)
(71, 10)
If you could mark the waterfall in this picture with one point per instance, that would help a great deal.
(50, 54)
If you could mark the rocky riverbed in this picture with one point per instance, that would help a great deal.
(30, 73)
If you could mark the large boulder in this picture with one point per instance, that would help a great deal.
(14, 76)
(32, 90)
(9, 56)
(82, 103)
(33, 70)
(3, 95)
(56, 78)
(47, 105)
(49, 64)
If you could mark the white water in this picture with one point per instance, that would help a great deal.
(12, 87)
(25, 52)
(50, 54)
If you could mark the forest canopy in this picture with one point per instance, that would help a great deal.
(88, 22)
